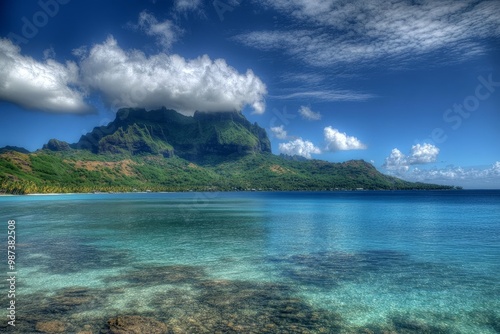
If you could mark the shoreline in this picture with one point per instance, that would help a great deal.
(246, 191)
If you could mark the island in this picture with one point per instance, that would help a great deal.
(163, 150)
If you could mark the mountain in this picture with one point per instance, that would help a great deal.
(162, 150)
(166, 132)
(13, 148)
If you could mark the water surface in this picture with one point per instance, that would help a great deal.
(298, 262)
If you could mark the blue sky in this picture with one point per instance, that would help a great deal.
(411, 86)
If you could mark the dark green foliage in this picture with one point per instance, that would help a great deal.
(135, 139)
(13, 148)
(80, 171)
(205, 136)
(56, 145)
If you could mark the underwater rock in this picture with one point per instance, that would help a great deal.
(74, 297)
(331, 269)
(54, 326)
(87, 329)
(69, 299)
(134, 324)
(246, 307)
(405, 325)
(175, 274)
(71, 256)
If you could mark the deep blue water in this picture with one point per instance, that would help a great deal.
(335, 262)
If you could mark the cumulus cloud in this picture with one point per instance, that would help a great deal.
(279, 132)
(423, 154)
(360, 32)
(419, 154)
(396, 161)
(308, 114)
(495, 169)
(300, 147)
(165, 32)
(130, 78)
(457, 173)
(403, 166)
(48, 85)
(486, 177)
(340, 141)
(126, 79)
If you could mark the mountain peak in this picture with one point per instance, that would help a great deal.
(13, 149)
(204, 136)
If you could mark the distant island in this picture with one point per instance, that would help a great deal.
(162, 150)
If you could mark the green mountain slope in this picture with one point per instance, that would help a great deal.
(166, 132)
(162, 150)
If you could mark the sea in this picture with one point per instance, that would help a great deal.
(252, 262)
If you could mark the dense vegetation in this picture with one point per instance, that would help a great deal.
(81, 171)
(164, 151)
(166, 132)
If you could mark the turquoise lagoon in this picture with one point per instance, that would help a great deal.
(292, 262)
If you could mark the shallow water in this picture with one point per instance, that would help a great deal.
(340, 262)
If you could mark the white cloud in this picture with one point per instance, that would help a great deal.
(279, 132)
(402, 166)
(80, 51)
(126, 79)
(327, 95)
(47, 85)
(396, 161)
(49, 53)
(358, 32)
(419, 154)
(338, 141)
(130, 78)
(423, 154)
(495, 169)
(308, 77)
(486, 177)
(308, 114)
(166, 32)
(187, 5)
(457, 173)
(303, 148)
